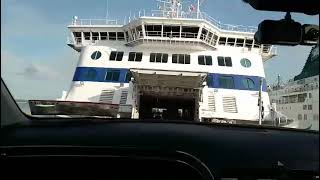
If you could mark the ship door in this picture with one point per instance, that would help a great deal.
(167, 108)
(168, 95)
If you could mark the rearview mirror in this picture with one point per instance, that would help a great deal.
(282, 32)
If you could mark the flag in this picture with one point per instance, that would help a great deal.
(192, 8)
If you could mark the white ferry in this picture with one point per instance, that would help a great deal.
(299, 98)
(174, 63)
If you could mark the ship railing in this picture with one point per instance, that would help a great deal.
(268, 49)
(193, 15)
(94, 22)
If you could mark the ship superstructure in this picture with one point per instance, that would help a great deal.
(173, 63)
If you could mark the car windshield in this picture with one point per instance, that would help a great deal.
(180, 60)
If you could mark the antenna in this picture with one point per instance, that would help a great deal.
(107, 9)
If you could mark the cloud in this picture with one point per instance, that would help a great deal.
(35, 71)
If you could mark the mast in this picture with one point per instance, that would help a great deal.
(278, 82)
(198, 9)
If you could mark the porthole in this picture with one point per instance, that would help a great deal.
(245, 62)
(96, 55)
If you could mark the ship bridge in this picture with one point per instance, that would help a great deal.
(169, 28)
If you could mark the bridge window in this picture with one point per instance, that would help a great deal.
(181, 58)
(159, 57)
(249, 43)
(224, 61)
(309, 107)
(116, 55)
(248, 84)
(226, 82)
(112, 75)
(231, 41)
(95, 36)
(222, 41)
(305, 117)
(77, 37)
(139, 31)
(86, 35)
(120, 36)
(239, 42)
(127, 35)
(171, 31)
(204, 33)
(135, 56)
(104, 35)
(96, 55)
(299, 116)
(215, 39)
(189, 32)
(112, 36)
(205, 60)
(245, 62)
(153, 30)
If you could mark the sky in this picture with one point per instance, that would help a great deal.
(36, 62)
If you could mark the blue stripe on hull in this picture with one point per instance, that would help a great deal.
(81, 74)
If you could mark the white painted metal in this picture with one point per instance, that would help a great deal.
(228, 103)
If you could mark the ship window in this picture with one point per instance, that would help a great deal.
(226, 82)
(215, 38)
(104, 35)
(159, 57)
(304, 107)
(91, 74)
(224, 61)
(205, 60)
(248, 84)
(135, 56)
(181, 58)
(204, 33)
(153, 30)
(309, 107)
(112, 36)
(95, 35)
(189, 32)
(171, 31)
(127, 35)
(249, 43)
(222, 40)
(128, 76)
(112, 75)
(305, 117)
(299, 116)
(239, 42)
(77, 34)
(231, 41)
(96, 55)
(86, 35)
(209, 37)
(245, 62)
(116, 56)
(310, 95)
(120, 36)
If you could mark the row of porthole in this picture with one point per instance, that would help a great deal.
(244, 61)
